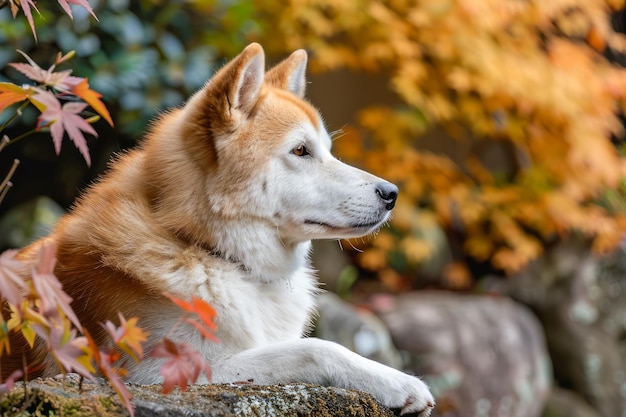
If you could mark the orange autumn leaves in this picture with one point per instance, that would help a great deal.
(39, 308)
(531, 76)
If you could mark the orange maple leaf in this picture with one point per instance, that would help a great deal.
(205, 312)
(112, 374)
(11, 94)
(203, 330)
(127, 336)
(92, 98)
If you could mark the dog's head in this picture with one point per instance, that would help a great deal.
(265, 155)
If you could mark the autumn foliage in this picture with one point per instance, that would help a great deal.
(40, 309)
(530, 77)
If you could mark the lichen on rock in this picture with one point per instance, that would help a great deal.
(70, 396)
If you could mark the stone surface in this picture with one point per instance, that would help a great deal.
(482, 356)
(63, 396)
(565, 403)
(580, 300)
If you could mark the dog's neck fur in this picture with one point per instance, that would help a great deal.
(269, 263)
(240, 244)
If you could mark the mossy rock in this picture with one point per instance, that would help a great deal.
(67, 396)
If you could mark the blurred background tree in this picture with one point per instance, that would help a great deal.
(521, 96)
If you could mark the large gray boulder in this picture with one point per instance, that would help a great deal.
(565, 403)
(481, 355)
(580, 300)
(359, 330)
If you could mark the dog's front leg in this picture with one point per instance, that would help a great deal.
(322, 362)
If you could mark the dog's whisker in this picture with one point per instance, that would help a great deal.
(353, 247)
(336, 134)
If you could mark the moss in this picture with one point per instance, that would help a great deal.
(65, 397)
(59, 397)
(107, 403)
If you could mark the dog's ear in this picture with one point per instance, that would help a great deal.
(235, 86)
(226, 98)
(248, 69)
(290, 74)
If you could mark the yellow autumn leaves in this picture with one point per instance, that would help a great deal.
(528, 76)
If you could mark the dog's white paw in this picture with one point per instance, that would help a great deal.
(395, 389)
(410, 395)
(391, 387)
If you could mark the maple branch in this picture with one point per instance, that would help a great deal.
(18, 113)
(25, 135)
(6, 183)
(4, 142)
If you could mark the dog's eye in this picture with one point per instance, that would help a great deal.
(300, 150)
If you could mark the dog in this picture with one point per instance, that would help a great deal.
(221, 201)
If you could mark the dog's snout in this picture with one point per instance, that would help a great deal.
(388, 192)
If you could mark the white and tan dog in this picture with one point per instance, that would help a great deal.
(221, 202)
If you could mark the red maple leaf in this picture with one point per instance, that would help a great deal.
(53, 299)
(66, 7)
(7, 385)
(61, 80)
(63, 119)
(69, 351)
(12, 285)
(184, 364)
(25, 5)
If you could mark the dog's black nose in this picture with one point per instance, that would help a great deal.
(388, 193)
